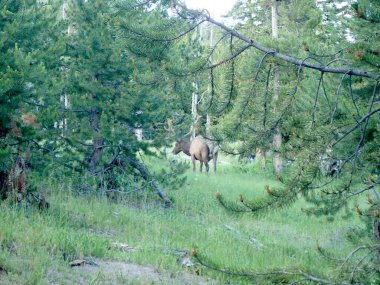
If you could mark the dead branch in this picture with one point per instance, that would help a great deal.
(147, 176)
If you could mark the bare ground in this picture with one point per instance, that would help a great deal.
(116, 272)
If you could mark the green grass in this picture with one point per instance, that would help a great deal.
(34, 242)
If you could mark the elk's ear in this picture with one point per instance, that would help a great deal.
(178, 140)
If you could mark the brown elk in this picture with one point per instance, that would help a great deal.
(197, 149)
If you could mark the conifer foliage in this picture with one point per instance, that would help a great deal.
(327, 113)
(80, 79)
(77, 87)
(25, 43)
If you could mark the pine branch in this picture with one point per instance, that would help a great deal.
(275, 274)
(160, 39)
(369, 188)
(53, 155)
(316, 99)
(356, 267)
(110, 164)
(337, 95)
(233, 207)
(250, 94)
(327, 256)
(274, 53)
(363, 119)
(266, 102)
(278, 199)
(355, 251)
(231, 57)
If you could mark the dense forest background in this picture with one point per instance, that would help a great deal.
(86, 87)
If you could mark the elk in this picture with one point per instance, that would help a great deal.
(197, 149)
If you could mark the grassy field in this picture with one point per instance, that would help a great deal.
(36, 247)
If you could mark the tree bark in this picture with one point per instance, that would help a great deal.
(260, 155)
(194, 111)
(97, 141)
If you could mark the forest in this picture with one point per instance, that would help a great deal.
(95, 94)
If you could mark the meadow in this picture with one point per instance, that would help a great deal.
(38, 246)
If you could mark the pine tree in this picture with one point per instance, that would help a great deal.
(78, 86)
(27, 48)
(327, 113)
(112, 84)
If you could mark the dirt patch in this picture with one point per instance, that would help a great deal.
(115, 272)
(4, 279)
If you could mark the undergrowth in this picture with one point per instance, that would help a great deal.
(34, 242)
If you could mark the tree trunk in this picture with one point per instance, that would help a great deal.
(97, 141)
(260, 155)
(277, 137)
(64, 99)
(274, 20)
(208, 118)
(194, 111)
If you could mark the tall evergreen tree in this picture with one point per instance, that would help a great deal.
(82, 85)
(29, 48)
(115, 84)
(327, 112)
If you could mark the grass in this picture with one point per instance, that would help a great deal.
(34, 243)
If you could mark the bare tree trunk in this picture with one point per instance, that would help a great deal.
(64, 98)
(65, 7)
(139, 134)
(209, 88)
(194, 111)
(208, 126)
(277, 137)
(260, 155)
(213, 147)
(208, 118)
(274, 20)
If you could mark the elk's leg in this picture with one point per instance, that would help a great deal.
(193, 160)
(201, 163)
(207, 166)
